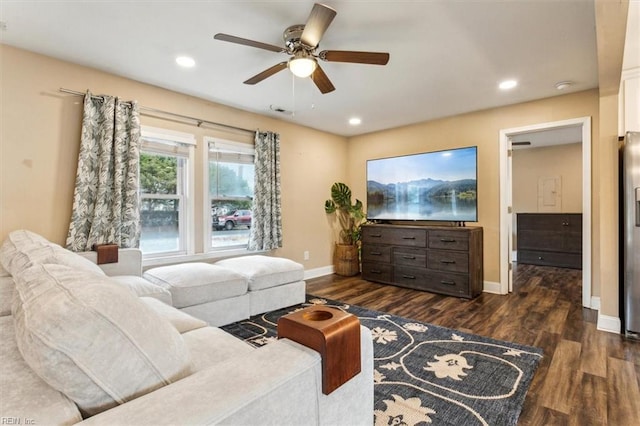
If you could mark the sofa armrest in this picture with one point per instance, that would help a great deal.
(129, 262)
(280, 383)
(278, 377)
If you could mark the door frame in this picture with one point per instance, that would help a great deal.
(506, 223)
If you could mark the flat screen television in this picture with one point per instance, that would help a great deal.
(432, 186)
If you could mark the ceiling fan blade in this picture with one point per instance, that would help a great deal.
(322, 81)
(372, 58)
(266, 73)
(247, 42)
(317, 23)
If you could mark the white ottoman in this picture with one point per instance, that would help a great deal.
(212, 293)
(273, 282)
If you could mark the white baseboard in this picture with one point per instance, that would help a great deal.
(491, 287)
(318, 272)
(609, 324)
(605, 322)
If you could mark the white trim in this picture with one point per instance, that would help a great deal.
(595, 303)
(214, 144)
(207, 222)
(221, 145)
(190, 194)
(318, 272)
(491, 287)
(185, 180)
(505, 185)
(168, 135)
(504, 216)
(609, 324)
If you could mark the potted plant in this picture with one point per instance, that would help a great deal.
(350, 218)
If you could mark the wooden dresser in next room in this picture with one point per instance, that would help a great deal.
(550, 239)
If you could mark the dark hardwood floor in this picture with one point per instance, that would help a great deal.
(587, 377)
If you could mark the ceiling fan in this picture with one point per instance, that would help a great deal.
(301, 42)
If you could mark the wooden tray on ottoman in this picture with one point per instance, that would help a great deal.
(331, 332)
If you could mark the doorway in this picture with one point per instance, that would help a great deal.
(506, 193)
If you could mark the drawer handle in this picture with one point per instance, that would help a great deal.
(375, 253)
(409, 257)
(376, 271)
(447, 240)
(376, 235)
(408, 238)
(409, 277)
(447, 261)
(540, 258)
(447, 282)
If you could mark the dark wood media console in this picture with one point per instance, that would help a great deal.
(439, 259)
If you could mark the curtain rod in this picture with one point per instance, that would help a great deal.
(150, 113)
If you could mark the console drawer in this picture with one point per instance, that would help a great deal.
(448, 240)
(423, 279)
(448, 283)
(376, 253)
(394, 236)
(374, 271)
(410, 257)
(407, 276)
(445, 260)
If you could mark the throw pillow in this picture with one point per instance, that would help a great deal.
(22, 249)
(93, 341)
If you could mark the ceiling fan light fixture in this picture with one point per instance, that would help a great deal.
(302, 66)
(185, 61)
(507, 84)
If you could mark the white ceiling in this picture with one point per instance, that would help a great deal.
(447, 57)
(549, 137)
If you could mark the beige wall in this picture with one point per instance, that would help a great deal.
(40, 141)
(531, 164)
(606, 187)
(563, 161)
(479, 128)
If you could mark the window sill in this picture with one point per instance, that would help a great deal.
(209, 257)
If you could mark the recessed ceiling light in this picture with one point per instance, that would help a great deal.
(355, 121)
(507, 84)
(561, 85)
(185, 61)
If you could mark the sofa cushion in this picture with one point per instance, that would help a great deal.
(143, 288)
(7, 287)
(196, 283)
(22, 249)
(24, 394)
(265, 271)
(181, 321)
(94, 341)
(210, 346)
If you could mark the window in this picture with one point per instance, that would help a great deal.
(230, 193)
(166, 179)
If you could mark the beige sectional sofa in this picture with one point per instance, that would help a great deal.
(78, 345)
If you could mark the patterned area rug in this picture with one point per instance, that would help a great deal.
(426, 374)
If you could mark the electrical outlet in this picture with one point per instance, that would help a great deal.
(306, 255)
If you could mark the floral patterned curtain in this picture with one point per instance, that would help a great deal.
(106, 201)
(266, 227)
